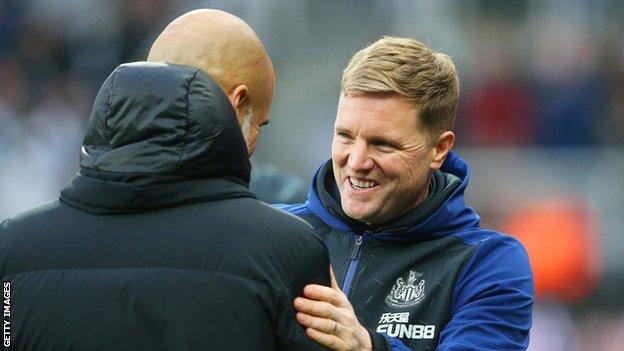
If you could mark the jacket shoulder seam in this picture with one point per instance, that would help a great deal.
(487, 235)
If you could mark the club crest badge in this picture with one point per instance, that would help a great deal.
(407, 292)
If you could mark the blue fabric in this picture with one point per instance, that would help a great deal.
(493, 296)
(397, 345)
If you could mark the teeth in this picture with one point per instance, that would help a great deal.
(362, 184)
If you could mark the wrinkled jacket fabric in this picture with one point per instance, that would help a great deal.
(433, 278)
(157, 244)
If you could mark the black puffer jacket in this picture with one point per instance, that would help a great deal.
(157, 244)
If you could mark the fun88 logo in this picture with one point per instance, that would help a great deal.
(394, 325)
(407, 331)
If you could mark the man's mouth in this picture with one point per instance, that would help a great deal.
(362, 184)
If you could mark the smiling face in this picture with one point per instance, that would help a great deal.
(382, 159)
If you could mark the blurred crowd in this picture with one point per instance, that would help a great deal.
(547, 78)
(535, 74)
(53, 57)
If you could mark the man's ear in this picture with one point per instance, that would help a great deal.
(442, 147)
(238, 99)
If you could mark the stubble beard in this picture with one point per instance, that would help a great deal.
(247, 125)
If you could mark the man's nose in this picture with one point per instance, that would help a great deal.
(359, 158)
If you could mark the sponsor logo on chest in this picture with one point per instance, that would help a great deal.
(408, 290)
(397, 325)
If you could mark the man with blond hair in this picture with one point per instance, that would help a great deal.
(157, 243)
(413, 269)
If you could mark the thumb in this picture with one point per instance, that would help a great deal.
(334, 284)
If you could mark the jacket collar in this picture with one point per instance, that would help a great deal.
(105, 197)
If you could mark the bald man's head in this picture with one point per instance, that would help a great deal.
(226, 48)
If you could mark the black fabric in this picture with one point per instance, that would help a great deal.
(438, 261)
(157, 244)
(441, 186)
(153, 122)
(99, 196)
(378, 341)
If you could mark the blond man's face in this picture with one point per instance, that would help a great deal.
(381, 157)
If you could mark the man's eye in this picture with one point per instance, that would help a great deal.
(383, 144)
(343, 135)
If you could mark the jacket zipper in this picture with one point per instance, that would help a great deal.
(354, 261)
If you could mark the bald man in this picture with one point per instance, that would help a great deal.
(233, 57)
(157, 244)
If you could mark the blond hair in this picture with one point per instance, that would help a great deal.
(406, 67)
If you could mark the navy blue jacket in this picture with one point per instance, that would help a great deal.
(432, 279)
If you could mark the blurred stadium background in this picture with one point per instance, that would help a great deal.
(541, 118)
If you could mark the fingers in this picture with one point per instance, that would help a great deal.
(325, 293)
(325, 325)
(334, 284)
(315, 308)
(329, 318)
(334, 327)
(328, 340)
